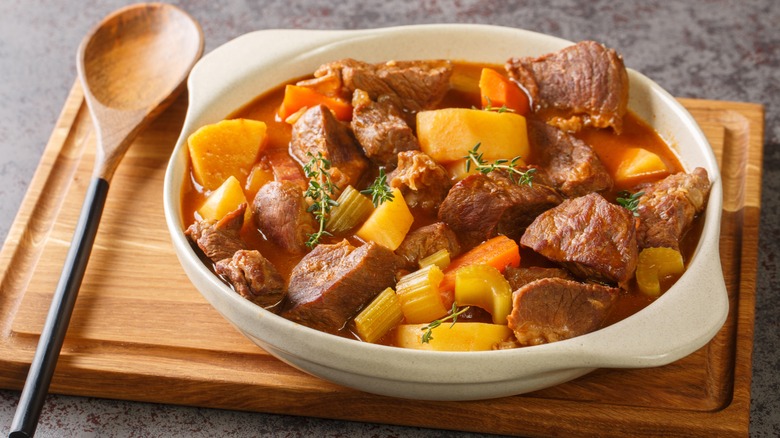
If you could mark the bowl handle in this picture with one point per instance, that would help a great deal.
(674, 326)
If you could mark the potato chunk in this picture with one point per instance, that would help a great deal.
(389, 223)
(448, 134)
(654, 265)
(638, 163)
(461, 336)
(260, 174)
(222, 201)
(223, 149)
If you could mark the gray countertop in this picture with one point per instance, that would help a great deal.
(709, 49)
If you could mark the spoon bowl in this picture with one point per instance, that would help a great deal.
(131, 67)
(159, 43)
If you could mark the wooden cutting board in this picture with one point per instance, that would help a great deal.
(140, 330)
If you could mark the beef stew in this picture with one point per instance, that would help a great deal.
(485, 214)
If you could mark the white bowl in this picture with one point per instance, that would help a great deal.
(678, 323)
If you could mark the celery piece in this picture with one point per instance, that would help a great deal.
(379, 317)
(484, 286)
(353, 209)
(440, 258)
(419, 295)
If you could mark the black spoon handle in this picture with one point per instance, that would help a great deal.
(42, 367)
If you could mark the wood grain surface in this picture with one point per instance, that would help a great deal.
(140, 331)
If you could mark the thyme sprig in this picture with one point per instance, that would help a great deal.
(379, 190)
(629, 201)
(320, 191)
(428, 335)
(501, 109)
(523, 177)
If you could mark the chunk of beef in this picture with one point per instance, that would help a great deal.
(423, 182)
(668, 207)
(253, 277)
(581, 85)
(590, 236)
(519, 277)
(333, 282)
(411, 86)
(554, 309)
(425, 241)
(570, 164)
(381, 130)
(219, 239)
(318, 131)
(280, 214)
(482, 206)
(284, 167)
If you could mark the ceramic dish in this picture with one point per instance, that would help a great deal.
(678, 323)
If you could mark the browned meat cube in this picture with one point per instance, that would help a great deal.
(280, 214)
(284, 167)
(570, 164)
(219, 240)
(333, 282)
(410, 86)
(582, 85)
(318, 131)
(425, 241)
(482, 206)
(381, 130)
(519, 277)
(423, 182)
(554, 309)
(253, 277)
(591, 237)
(668, 207)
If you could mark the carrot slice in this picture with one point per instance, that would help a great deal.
(497, 91)
(498, 252)
(296, 97)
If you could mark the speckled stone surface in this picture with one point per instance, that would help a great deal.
(710, 49)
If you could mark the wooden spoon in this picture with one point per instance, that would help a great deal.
(131, 67)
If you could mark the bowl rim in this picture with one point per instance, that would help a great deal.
(603, 348)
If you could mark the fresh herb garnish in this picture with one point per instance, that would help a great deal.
(629, 201)
(428, 335)
(320, 191)
(523, 177)
(379, 190)
(502, 109)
